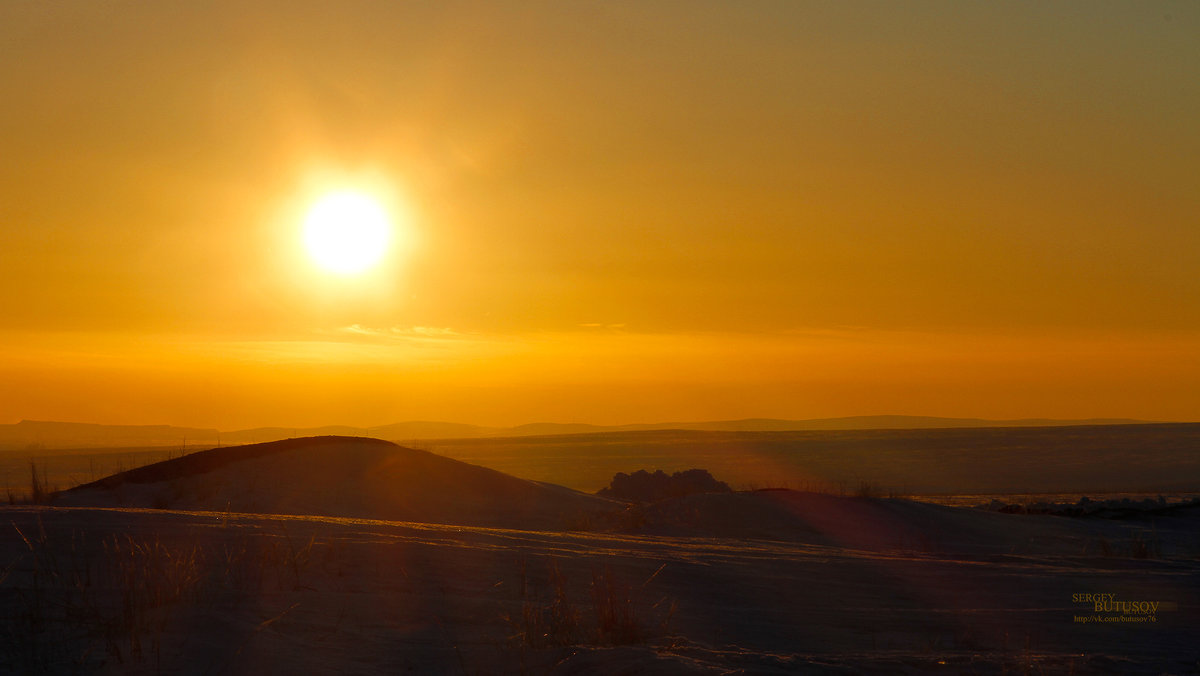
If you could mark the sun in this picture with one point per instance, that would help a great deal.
(347, 232)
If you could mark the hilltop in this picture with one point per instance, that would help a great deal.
(341, 477)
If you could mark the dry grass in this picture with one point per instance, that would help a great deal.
(1140, 545)
(72, 605)
(553, 621)
(39, 490)
(622, 614)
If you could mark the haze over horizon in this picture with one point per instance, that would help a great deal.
(46, 434)
(613, 213)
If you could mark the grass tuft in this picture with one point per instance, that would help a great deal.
(623, 614)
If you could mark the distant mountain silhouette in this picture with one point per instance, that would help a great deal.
(36, 436)
(39, 435)
(869, 422)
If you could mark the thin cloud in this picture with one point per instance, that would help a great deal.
(399, 332)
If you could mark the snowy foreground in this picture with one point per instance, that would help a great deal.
(138, 591)
(772, 582)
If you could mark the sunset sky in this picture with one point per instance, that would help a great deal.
(605, 212)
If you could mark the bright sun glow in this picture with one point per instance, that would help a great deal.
(347, 232)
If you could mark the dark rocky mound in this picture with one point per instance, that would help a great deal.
(642, 486)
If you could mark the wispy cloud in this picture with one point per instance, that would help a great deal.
(399, 332)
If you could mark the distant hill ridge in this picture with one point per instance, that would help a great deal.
(215, 458)
(342, 476)
(45, 435)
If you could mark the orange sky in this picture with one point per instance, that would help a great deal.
(606, 212)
